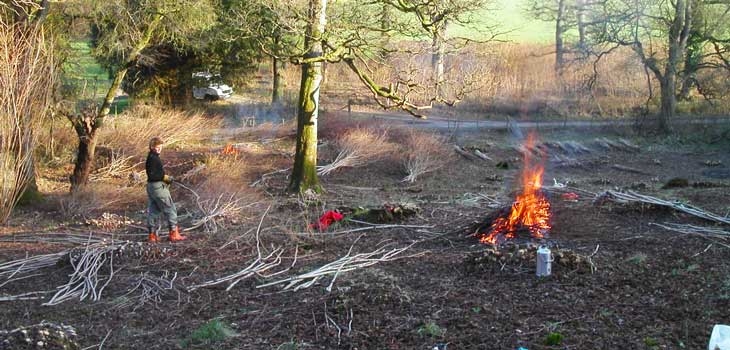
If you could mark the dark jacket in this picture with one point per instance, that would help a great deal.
(153, 167)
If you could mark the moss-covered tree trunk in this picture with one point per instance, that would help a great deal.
(304, 174)
(87, 127)
(277, 90)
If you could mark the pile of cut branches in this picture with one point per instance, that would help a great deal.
(346, 263)
(631, 196)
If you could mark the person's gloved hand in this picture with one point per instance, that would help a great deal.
(168, 179)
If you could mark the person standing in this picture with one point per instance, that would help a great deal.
(158, 195)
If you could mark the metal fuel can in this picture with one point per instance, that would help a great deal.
(544, 261)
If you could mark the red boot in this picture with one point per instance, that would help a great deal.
(175, 235)
(152, 237)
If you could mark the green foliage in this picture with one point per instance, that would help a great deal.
(209, 333)
(430, 329)
(554, 338)
(651, 343)
(637, 259)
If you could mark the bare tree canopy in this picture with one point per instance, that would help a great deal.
(27, 77)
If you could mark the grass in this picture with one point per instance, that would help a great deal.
(510, 16)
(431, 329)
(553, 339)
(637, 259)
(87, 77)
(212, 332)
(88, 68)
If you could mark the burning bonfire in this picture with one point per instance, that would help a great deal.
(229, 150)
(530, 212)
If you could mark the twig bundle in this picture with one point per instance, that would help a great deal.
(85, 279)
(29, 264)
(708, 232)
(52, 238)
(23, 266)
(118, 165)
(358, 147)
(257, 268)
(24, 296)
(630, 196)
(149, 290)
(424, 153)
(213, 210)
(346, 263)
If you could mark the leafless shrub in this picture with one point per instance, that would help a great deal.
(219, 192)
(131, 131)
(424, 152)
(116, 166)
(102, 196)
(78, 203)
(26, 80)
(333, 125)
(269, 131)
(358, 147)
(58, 141)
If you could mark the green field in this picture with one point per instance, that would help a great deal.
(510, 16)
(83, 72)
(89, 79)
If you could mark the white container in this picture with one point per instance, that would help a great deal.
(544, 260)
(720, 338)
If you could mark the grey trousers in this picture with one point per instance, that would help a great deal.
(160, 201)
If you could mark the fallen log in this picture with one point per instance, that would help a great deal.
(462, 152)
(482, 155)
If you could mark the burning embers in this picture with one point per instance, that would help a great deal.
(530, 212)
(229, 150)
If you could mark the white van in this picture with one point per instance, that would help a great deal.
(210, 87)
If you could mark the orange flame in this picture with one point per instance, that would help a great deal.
(530, 210)
(229, 149)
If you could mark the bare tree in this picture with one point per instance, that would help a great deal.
(568, 15)
(27, 77)
(637, 24)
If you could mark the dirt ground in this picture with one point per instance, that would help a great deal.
(650, 288)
